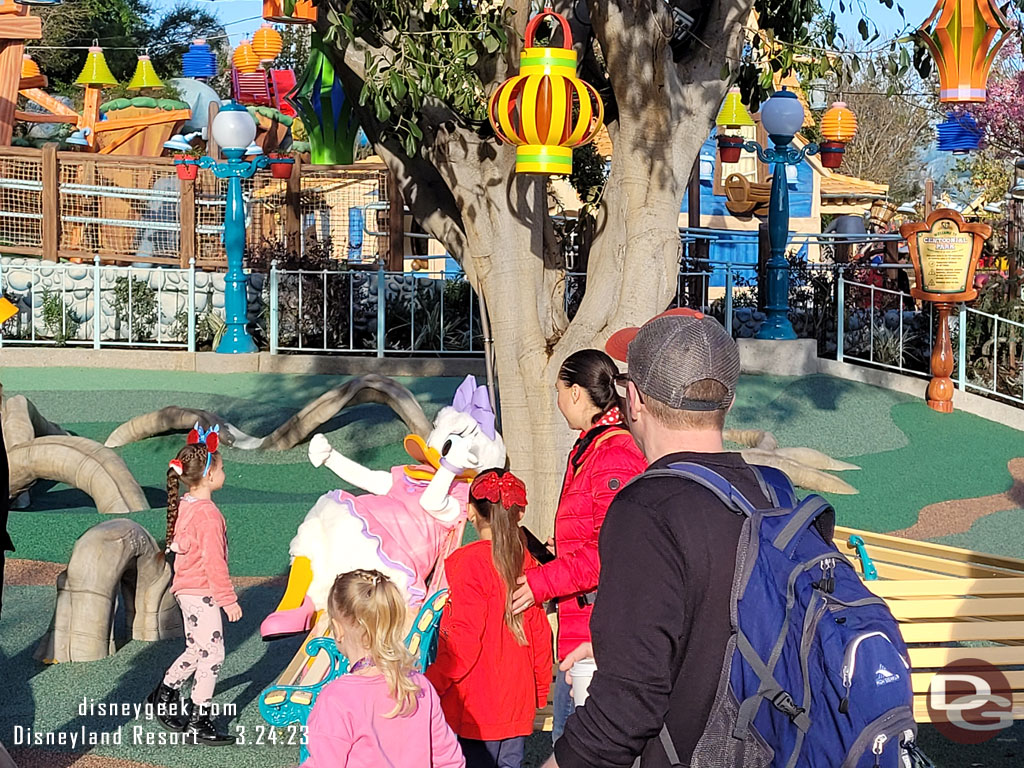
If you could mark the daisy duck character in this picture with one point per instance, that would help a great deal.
(404, 520)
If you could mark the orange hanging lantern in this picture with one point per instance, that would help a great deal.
(838, 127)
(267, 43)
(546, 110)
(245, 59)
(29, 68)
(303, 12)
(964, 41)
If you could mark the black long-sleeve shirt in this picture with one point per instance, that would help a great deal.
(661, 621)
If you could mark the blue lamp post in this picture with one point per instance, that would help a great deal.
(234, 131)
(781, 116)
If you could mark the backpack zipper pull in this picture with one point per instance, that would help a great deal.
(877, 747)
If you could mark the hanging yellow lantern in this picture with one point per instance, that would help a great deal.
(96, 71)
(245, 59)
(838, 127)
(29, 68)
(267, 43)
(733, 114)
(964, 41)
(535, 109)
(145, 76)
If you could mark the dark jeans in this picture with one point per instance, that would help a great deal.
(507, 753)
(561, 707)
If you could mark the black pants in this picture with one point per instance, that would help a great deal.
(507, 753)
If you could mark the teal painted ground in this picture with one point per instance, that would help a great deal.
(910, 457)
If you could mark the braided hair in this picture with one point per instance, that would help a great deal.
(193, 463)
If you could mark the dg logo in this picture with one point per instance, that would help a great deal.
(970, 701)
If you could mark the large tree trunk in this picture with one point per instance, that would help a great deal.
(463, 190)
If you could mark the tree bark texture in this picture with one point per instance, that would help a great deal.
(464, 191)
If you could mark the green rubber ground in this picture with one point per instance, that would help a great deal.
(910, 457)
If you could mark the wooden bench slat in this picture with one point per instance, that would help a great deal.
(952, 608)
(947, 587)
(885, 541)
(921, 714)
(919, 681)
(945, 631)
(926, 658)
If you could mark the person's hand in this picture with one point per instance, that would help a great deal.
(550, 544)
(233, 612)
(551, 763)
(319, 450)
(580, 652)
(523, 597)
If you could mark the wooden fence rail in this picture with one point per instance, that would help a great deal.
(76, 206)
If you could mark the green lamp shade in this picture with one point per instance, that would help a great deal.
(96, 71)
(145, 76)
(733, 114)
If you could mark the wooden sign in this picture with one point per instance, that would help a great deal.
(945, 251)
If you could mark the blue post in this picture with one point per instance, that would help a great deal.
(236, 337)
(777, 325)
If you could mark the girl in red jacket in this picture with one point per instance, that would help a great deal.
(493, 668)
(603, 460)
(197, 533)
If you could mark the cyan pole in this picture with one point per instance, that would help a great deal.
(236, 338)
(777, 325)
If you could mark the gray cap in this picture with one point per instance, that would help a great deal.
(674, 350)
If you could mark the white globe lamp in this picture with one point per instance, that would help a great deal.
(782, 115)
(233, 127)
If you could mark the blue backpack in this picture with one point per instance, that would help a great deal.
(815, 672)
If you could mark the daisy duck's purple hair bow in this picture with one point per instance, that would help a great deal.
(474, 400)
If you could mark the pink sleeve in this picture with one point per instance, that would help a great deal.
(327, 738)
(444, 747)
(213, 545)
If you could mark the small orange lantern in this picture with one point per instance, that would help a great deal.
(29, 68)
(964, 41)
(838, 127)
(535, 109)
(304, 12)
(266, 43)
(245, 59)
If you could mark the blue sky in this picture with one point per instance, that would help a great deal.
(242, 17)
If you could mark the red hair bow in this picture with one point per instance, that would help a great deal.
(507, 489)
(209, 438)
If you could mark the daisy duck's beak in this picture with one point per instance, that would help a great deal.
(418, 449)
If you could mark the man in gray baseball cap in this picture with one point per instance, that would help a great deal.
(668, 550)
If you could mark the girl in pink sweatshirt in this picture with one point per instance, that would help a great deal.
(382, 714)
(197, 533)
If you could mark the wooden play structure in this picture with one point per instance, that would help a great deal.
(16, 26)
(747, 198)
(137, 126)
(952, 604)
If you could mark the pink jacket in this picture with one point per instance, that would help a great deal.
(347, 727)
(201, 541)
(607, 463)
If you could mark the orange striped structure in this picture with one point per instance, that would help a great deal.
(964, 41)
(546, 110)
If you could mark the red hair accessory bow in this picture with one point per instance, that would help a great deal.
(507, 489)
(177, 466)
(209, 438)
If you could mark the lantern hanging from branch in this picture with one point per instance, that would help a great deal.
(964, 37)
(838, 127)
(958, 133)
(546, 110)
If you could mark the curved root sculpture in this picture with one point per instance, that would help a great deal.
(806, 467)
(115, 556)
(362, 389)
(81, 463)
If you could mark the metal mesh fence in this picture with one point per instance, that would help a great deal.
(349, 209)
(21, 202)
(124, 211)
(264, 207)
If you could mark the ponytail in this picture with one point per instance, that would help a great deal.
(372, 602)
(508, 545)
(594, 372)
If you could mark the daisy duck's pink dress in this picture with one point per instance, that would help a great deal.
(390, 533)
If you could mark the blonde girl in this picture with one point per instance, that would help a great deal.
(383, 713)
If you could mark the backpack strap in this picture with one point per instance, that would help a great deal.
(813, 510)
(776, 485)
(712, 481)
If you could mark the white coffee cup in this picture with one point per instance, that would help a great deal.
(582, 672)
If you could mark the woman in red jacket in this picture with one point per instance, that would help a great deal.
(603, 460)
(493, 668)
